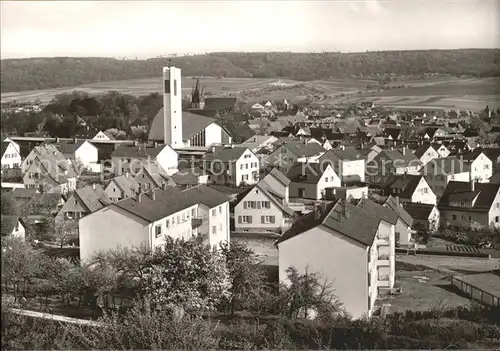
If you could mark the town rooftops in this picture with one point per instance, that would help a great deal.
(24, 193)
(342, 217)
(283, 179)
(127, 184)
(300, 149)
(447, 165)
(220, 103)
(419, 211)
(70, 147)
(347, 154)
(393, 204)
(170, 200)
(383, 213)
(402, 185)
(422, 149)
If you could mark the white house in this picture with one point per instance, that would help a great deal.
(132, 158)
(439, 172)
(81, 151)
(49, 174)
(426, 153)
(264, 207)
(410, 188)
(347, 163)
(404, 223)
(481, 166)
(148, 217)
(13, 227)
(425, 216)
(84, 201)
(102, 136)
(232, 166)
(258, 142)
(349, 247)
(11, 154)
(309, 181)
(122, 187)
(285, 155)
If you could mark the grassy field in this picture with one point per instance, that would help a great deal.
(449, 93)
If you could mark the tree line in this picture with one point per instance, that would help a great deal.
(44, 73)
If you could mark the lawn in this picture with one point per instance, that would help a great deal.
(422, 290)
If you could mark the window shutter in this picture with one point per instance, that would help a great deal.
(272, 219)
(258, 205)
(250, 219)
(262, 219)
(245, 205)
(239, 219)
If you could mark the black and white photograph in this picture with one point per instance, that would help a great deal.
(250, 174)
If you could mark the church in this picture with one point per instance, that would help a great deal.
(182, 129)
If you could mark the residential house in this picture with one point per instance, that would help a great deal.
(189, 177)
(481, 166)
(426, 153)
(441, 149)
(286, 155)
(347, 163)
(494, 155)
(84, 201)
(264, 207)
(148, 217)
(233, 166)
(439, 172)
(409, 188)
(11, 154)
(389, 162)
(433, 132)
(425, 216)
(309, 180)
(13, 227)
(152, 176)
(83, 152)
(404, 222)
(467, 204)
(49, 174)
(341, 242)
(258, 142)
(103, 136)
(49, 151)
(132, 158)
(122, 187)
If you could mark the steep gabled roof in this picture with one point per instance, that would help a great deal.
(309, 173)
(299, 149)
(448, 165)
(128, 185)
(92, 199)
(406, 184)
(419, 211)
(226, 154)
(8, 223)
(378, 211)
(283, 179)
(344, 218)
(484, 193)
(335, 155)
(400, 210)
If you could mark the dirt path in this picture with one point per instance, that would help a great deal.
(451, 264)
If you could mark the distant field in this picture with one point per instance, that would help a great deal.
(448, 93)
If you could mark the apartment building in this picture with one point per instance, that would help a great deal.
(348, 247)
(146, 218)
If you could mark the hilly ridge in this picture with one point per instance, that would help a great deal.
(44, 73)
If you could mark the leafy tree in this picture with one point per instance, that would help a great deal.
(66, 231)
(9, 205)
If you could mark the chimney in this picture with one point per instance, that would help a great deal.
(139, 197)
(397, 201)
(126, 175)
(75, 140)
(93, 186)
(404, 150)
(473, 185)
(155, 144)
(392, 147)
(164, 186)
(213, 149)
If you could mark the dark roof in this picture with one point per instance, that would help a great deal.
(394, 133)
(171, 200)
(309, 173)
(8, 224)
(493, 153)
(226, 154)
(419, 211)
(3, 147)
(283, 179)
(462, 191)
(404, 183)
(495, 178)
(187, 176)
(449, 165)
(304, 150)
(403, 160)
(191, 125)
(70, 147)
(92, 199)
(220, 103)
(472, 155)
(379, 211)
(422, 149)
(127, 184)
(140, 151)
(394, 205)
(348, 154)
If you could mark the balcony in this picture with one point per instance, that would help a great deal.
(198, 221)
(383, 260)
(383, 281)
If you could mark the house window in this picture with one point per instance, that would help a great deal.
(266, 204)
(267, 219)
(167, 223)
(245, 219)
(241, 166)
(158, 230)
(183, 217)
(454, 217)
(214, 212)
(462, 217)
(17, 226)
(326, 179)
(193, 212)
(470, 219)
(496, 219)
(220, 209)
(178, 219)
(214, 229)
(246, 165)
(486, 166)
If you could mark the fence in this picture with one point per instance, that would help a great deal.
(476, 293)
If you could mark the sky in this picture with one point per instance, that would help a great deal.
(151, 28)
